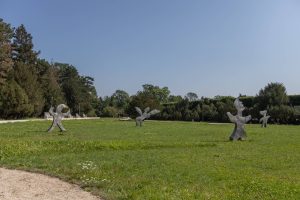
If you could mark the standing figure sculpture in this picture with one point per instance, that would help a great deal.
(239, 121)
(264, 119)
(58, 116)
(139, 120)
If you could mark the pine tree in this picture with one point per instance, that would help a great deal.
(6, 61)
(25, 69)
(49, 79)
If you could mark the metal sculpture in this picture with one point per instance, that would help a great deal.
(139, 120)
(239, 121)
(70, 115)
(47, 115)
(264, 119)
(58, 116)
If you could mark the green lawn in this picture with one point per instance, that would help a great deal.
(162, 160)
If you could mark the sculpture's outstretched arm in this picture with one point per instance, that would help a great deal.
(139, 111)
(66, 114)
(244, 119)
(248, 118)
(231, 117)
(153, 112)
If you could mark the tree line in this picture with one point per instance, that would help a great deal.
(29, 86)
(273, 98)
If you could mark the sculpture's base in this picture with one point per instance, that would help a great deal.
(239, 139)
(49, 131)
(238, 134)
(139, 123)
(264, 125)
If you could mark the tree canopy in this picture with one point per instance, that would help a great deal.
(191, 96)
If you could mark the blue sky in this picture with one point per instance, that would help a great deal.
(212, 47)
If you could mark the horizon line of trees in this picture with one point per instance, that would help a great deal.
(273, 98)
(30, 85)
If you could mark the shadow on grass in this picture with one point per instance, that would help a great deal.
(216, 141)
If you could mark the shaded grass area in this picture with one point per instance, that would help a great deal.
(162, 160)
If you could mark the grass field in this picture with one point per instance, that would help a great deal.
(162, 160)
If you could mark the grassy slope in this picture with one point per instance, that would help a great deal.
(162, 160)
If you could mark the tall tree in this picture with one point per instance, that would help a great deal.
(161, 94)
(70, 84)
(48, 77)
(274, 94)
(23, 47)
(120, 99)
(25, 69)
(191, 96)
(89, 94)
(6, 62)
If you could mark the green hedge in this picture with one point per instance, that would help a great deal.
(294, 100)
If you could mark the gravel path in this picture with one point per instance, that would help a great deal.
(20, 185)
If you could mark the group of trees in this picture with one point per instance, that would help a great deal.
(30, 85)
(121, 104)
(273, 98)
